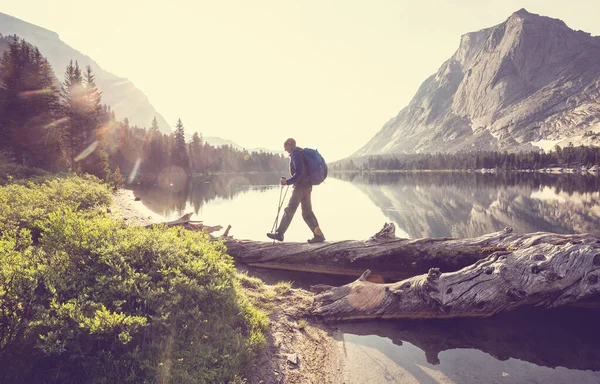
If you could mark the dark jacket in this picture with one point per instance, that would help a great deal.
(298, 169)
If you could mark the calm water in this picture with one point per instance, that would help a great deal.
(523, 347)
(421, 205)
(530, 346)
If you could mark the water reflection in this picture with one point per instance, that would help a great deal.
(355, 206)
(468, 205)
(249, 204)
(534, 346)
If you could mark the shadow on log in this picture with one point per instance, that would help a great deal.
(551, 338)
(540, 269)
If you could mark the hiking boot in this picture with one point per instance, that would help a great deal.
(316, 239)
(275, 236)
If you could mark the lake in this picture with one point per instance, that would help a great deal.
(527, 346)
(355, 206)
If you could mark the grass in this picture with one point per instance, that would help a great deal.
(249, 281)
(282, 287)
(302, 323)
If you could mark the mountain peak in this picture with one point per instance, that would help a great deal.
(528, 80)
(523, 16)
(523, 13)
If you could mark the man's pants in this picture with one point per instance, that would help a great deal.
(300, 196)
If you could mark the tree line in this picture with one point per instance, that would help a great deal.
(64, 126)
(566, 157)
(467, 181)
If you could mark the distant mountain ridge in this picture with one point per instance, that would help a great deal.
(528, 82)
(218, 142)
(123, 97)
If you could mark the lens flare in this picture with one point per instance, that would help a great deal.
(55, 123)
(173, 178)
(88, 151)
(111, 135)
(134, 171)
(28, 94)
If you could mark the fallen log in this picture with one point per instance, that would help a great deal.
(540, 269)
(191, 225)
(388, 258)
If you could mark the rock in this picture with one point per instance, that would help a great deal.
(528, 79)
(292, 358)
(137, 198)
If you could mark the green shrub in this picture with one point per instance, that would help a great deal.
(96, 301)
(24, 205)
(10, 172)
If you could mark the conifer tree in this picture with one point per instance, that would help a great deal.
(74, 107)
(28, 106)
(179, 156)
(96, 162)
(154, 126)
(196, 153)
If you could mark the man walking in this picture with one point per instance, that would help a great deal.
(300, 195)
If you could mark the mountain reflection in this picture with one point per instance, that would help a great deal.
(472, 204)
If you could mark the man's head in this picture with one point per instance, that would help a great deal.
(289, 145)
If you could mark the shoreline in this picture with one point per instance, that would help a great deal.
(299, 349)
(550, 171)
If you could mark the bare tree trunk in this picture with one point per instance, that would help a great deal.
(539, 269)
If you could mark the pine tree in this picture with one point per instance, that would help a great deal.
(197, 164)
(93, 100)
(28, 106)
(179, 156)
(73, 93)
(154, 126)
(96, 162)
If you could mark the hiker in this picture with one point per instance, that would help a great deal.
(300, 195)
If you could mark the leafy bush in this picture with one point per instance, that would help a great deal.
(10, 172)
(96, 301)
(23, 205)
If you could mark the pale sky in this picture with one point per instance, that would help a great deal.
(329, 73)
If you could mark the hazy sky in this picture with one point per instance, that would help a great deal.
(329, 73)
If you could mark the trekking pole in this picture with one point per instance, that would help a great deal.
(280, 204)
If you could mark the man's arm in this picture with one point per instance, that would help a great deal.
(298, 166)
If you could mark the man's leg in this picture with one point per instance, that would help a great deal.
(290, 210)
(309, 216)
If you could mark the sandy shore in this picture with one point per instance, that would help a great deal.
(124, 206)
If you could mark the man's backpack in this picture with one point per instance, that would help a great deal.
(317, 168)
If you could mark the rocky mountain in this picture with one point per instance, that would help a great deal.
(528, 82)
(219, 142)
(124, 98)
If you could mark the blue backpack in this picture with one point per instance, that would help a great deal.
(317, 168)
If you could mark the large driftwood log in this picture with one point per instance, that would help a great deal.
(539, 269)
(384, 254)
